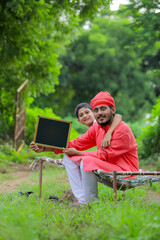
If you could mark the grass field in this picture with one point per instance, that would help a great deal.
(30, 218)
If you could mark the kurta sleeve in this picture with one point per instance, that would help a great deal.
(86, 141)
(57, 151)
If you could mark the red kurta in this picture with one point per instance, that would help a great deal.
(121, 155)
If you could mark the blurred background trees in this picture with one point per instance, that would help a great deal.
(33, 34)
(101, 60)
(116, 52)
(71, 50)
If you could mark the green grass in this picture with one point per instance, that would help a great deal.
(21, 218)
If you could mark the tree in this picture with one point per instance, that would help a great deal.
(145, 22)
(146, 25)
(33, 34)
(103, 59)
(149, 140)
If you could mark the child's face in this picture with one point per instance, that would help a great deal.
(85, 117)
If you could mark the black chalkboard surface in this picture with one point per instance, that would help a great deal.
(52, 132)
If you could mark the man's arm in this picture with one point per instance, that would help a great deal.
(107, 139)
(86, 141)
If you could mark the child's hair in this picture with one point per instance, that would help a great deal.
(81, 105)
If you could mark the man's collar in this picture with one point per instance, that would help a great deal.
(106, 127)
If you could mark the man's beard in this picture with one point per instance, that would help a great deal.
(107, 122)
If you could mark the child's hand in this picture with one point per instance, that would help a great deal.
(106, 141)
(36, 148)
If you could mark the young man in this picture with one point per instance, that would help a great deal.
(121, 155)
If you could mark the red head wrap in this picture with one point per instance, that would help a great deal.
(102, 98)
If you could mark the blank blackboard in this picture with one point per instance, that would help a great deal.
(52, 132)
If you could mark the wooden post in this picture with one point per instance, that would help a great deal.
(40, 178)
(114, 186)
(20, 117)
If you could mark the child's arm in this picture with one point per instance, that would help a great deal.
(39, 149)
(107, 139)
(72, 152)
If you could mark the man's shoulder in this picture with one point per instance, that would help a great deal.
(122, 127)
(123, 124)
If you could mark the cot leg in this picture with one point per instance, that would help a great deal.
(150, 183)
(114, 186)
(123, 195)
(40, 179)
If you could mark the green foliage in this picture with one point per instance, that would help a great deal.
(80, 128)
(137, 127)
(149, 140)
(33, 35)
(145, 22)
(32, 114)
(33, 219)
(103, 59)
(9, 156)
(146, 25)
(28, 51)
(154, 76)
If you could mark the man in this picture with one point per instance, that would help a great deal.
(121, 155)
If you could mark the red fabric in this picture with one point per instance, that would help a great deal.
(121, 155)
(102, 98)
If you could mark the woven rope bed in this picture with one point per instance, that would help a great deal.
(126, 180)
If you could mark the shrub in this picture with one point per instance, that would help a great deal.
(9, 156)
(137, 127)
(149, 140)
(80, 128)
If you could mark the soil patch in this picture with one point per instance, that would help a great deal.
(17, 175)
(68, 195)
(14, 180)
(153, 196)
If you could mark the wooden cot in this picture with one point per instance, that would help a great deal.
(117, 180)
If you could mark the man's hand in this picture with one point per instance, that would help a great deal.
(36, 148)
(72, 152)
(106, 141)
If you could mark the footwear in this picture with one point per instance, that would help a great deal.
(25, 194)
(53, 198)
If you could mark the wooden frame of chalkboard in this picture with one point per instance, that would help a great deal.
(51, 132)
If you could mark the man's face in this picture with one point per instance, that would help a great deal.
(104, 114)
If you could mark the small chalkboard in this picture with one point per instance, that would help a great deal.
(52, 132)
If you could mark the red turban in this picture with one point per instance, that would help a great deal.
(102, 98)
